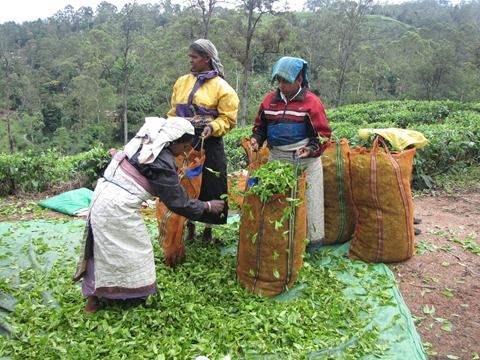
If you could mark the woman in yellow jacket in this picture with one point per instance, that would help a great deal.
(206, 93)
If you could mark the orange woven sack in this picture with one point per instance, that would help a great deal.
(237, 184)
(268, 258)
(171, 225)
(252, 156)
(340, 211)
(382, 195)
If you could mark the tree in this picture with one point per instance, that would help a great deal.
(344, 24)
(433, 75)
(83, 19)
(207, 8)
(62, 139)
(8, 46)
(245, 26)
(85, 91)
(128, 39)
(33, 123)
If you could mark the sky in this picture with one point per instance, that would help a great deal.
(30, 10)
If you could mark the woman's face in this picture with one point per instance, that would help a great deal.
(180, 147)
(198, 63)
(289, 89)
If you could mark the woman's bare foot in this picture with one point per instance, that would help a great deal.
(191, 234)
(207, 234)
(92, 305)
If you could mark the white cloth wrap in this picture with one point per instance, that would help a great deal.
(314, 191)
(123, 252)
(155, 134)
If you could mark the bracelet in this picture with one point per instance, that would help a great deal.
(209, 206)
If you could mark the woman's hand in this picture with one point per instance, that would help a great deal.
(214, 206)
(253, 144)
(207, 132)
(303, 152)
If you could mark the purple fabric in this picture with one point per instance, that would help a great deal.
(185, 110)
(189, 110)
(131, 171)
(88, 286)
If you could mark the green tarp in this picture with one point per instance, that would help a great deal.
(70, 202)
(42, 255)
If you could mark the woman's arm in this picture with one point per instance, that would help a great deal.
(319, 123)
(227, 107)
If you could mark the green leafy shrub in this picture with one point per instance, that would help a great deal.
(31, 172)
(453, 131)
(236, 156)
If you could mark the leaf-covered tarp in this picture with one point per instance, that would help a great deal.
(339, 308)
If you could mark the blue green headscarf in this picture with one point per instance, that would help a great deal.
(288, 68)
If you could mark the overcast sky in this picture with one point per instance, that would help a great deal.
(30, 10)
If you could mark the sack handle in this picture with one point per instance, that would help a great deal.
(297, 164)
(257, 158)
(187, 156)
(383, 144)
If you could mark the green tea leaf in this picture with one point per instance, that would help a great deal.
(276, 273)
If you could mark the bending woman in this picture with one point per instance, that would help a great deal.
(205, 93)
(116, 259)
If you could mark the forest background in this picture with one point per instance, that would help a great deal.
(82, 79)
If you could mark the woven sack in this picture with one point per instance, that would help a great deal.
(340, 211)
(382, 195)
(171, 226)
(237, 183)
(269, 259)
(253, 156)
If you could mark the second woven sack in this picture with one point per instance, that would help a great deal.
(382, 195)
(171, 226)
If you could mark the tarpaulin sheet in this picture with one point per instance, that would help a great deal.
(73, 202)
(43, 246)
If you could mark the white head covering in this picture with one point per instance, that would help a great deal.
(155, 134)
(211, 50)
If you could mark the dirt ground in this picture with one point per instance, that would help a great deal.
(440, 284)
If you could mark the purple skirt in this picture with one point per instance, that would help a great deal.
(116, 293)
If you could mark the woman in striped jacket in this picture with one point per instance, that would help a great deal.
(293, 122)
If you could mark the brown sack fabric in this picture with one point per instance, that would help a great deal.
(170, 225)
(340, 211)
(381, 192)
(269, 259)
(237, 183)
(252, 156)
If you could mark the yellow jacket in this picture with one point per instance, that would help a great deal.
(214, 94)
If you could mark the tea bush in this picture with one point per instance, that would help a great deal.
(31, 172)
(453, 131)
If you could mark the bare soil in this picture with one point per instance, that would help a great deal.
(440, 283)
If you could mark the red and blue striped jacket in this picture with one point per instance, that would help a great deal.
(283, 123)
